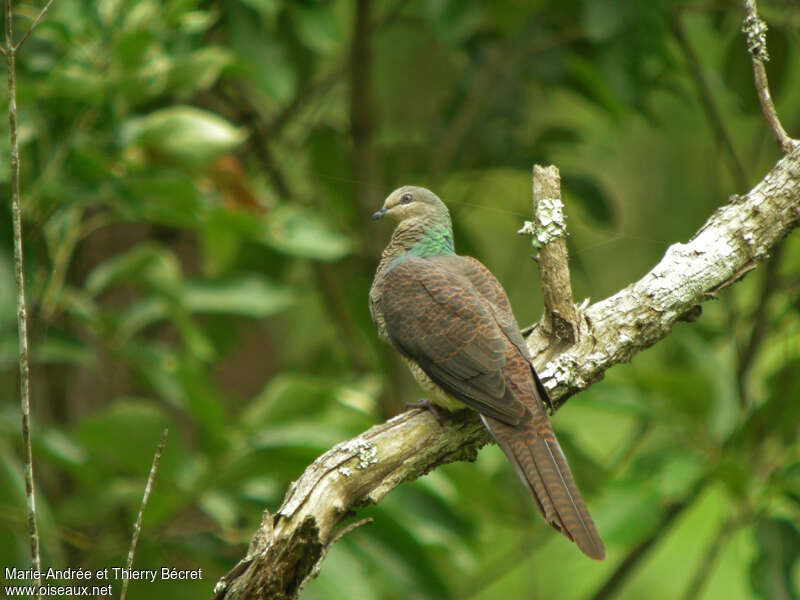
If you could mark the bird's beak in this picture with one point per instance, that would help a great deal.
(378, 214)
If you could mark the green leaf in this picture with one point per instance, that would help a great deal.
(602, 19)
(279, 415)
(199, 70)
(305, 434)
(590, 81)
(108, 11)
(778, 543)
(301, 233)
(197, 342)
(146, 263)
(197, 21)
(627, 509)
(220, 507)
(285, 398)
(251, 296)
(220, 249)
(124, 435)
(434, 519)
(205, 403)
(59, 230)
(143, 15)
(266, 61)
(158, 365)
(164, 198)
(60, 446)
(75, 82)
(267, 9)
(60, 348)
(139, 315)
(183, 134)
(316, 26)
(133, 49)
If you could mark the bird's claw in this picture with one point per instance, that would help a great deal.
(426, 404)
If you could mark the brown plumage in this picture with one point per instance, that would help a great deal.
(451, 320)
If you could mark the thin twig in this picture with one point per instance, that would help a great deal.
(33, 26)
(335, 538)
(349, 528)
(755, 31)
(137, 528)
(22, 312)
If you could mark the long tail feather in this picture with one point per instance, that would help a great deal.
(541, 466)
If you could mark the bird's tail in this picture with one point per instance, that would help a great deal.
(541, 466)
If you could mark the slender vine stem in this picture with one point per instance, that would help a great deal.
(33, 26)
(137, 528)
(10, 51)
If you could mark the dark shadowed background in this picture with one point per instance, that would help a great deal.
(197, 184)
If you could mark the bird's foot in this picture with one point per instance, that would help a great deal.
(426, 404)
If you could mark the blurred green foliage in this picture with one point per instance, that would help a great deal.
(197, 180)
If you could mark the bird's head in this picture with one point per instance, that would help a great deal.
(409, 202)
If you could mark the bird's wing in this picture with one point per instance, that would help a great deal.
(436, 317)
(488, 286)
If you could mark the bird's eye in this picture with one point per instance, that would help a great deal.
(406, 198)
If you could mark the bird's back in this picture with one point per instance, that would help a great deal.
(451, 320)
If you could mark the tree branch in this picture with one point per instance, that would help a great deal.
(549, 234)
(733, 241)
(738, 236)
(755, 31)
(361, 471)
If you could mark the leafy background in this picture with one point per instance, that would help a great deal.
(197, 181)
